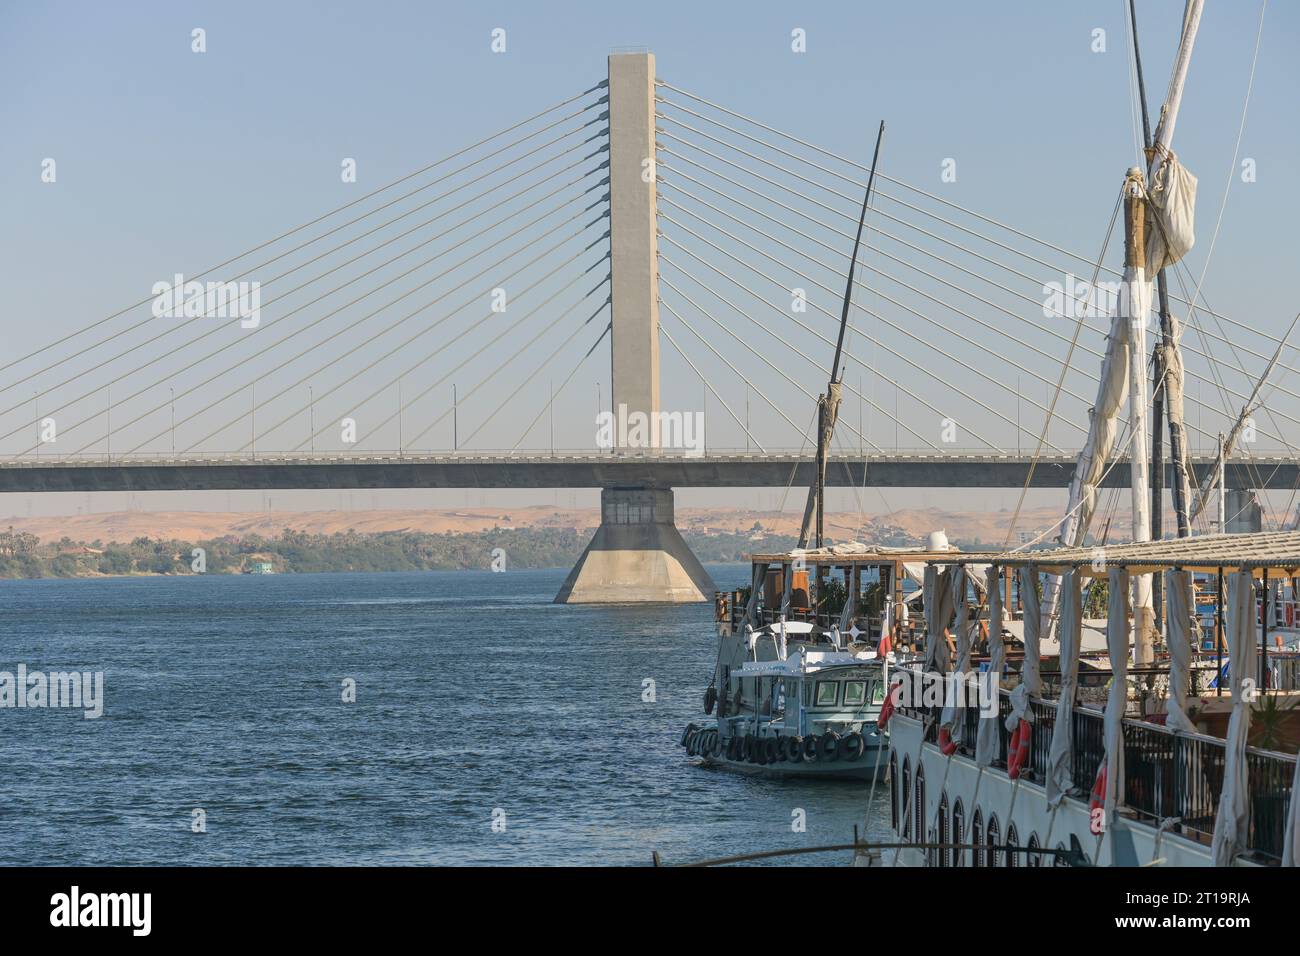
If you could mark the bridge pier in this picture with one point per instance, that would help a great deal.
(637, 555)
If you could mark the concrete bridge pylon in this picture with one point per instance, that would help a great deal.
(637, 554)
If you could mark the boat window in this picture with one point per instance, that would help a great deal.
(893, 789)
(994, 857)
(1033, 859)
(828, 692)
(977, 838)
(877, 692)
(855, 693)
(1013, 840)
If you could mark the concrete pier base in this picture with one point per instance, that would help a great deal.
(637, 555)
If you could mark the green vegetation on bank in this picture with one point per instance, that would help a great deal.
(24, 555)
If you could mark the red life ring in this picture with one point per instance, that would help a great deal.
(1098, 799)
(947, 746)
(1018, 749)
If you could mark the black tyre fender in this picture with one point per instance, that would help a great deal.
(830, 745)
(853, 746)
(812, 747)
(686, 734)
(794, 749)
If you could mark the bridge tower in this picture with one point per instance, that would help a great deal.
(637, 554)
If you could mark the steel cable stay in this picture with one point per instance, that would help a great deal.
(1189, 371)
(663, 330)
(940, 302)
(401, 345)
(347, 205)
(492, 343)
(705, 342)
(556, 209)
(722, 325)
(759, 355)
(609, 327)
(668, 135)
(870, 338)
(863, 286)
(784, 314)
(352, 328)
(333, 269)
(898, 182)
(543, 364)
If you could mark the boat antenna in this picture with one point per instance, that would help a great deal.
(828, 405)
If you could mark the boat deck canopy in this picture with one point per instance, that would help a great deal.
(1257, 552)
(848, 554)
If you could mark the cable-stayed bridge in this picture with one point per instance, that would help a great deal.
(437, 331)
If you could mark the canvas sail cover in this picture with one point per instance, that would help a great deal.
(1174, 385)
(1291, 828)
(1117, 643)
(1060, 757)
(1178, 598)
(938, 612)
(987, 740)
(1232, 824)
(1171, 213)
(1030, 674)
(951, 715)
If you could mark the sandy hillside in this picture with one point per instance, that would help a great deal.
(195, 525)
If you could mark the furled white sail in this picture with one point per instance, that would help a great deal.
(951, 717)
(938, 612)
(1117, 643)
(1030, 675)
(1178, 602)
(1060, 756)
(987, 740)
(1232, 824)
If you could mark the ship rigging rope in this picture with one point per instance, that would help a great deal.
(861, 308)
(347, 242)
(217, 329)
(360, 199)
(949, 242)
(1094, 352)
(905, 185)
(778, 338)
(609, 327)
(350, 327)
(489, 344)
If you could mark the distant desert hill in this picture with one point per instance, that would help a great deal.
(986, 527)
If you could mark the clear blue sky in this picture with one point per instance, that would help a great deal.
(168, 160)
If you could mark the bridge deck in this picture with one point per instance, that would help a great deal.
(580, 470)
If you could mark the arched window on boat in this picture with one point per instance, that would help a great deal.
(905, 792)
(994, 842)
(977, 838)
(958, 832)
(941, 837)
(1013, 841)
(1033, 859)
(1058, 859)
(893, 789)
(919, 802)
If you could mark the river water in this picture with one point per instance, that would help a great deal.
(489, 726)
